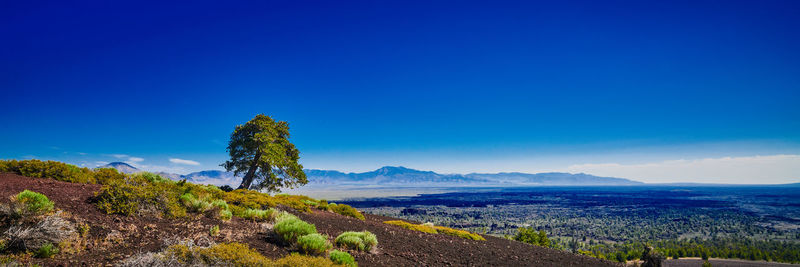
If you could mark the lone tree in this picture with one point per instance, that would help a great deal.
(261, 150)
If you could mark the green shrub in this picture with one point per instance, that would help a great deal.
(46, 251)
(258, 215)
(313, 244)
(343, 258)
(322, 205)
(362, 241)
(220, 204)
(411, 226)
(127, 197)
(3, 245)
(48, 169)
(346, 210)
(283, 216)
(194, 204)
(310, 202)
(30, 203)
(214, 230)
(83, 229)
(291, 229)
(531, 236)
(225, 215)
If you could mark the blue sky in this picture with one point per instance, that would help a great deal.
(605, 87)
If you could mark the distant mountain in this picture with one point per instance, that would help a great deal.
(402, 176)
(202, 177)
(214, 177)
(121, 167)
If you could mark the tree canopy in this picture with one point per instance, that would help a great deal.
(261, 150)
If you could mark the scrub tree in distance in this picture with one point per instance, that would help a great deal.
(261, 150)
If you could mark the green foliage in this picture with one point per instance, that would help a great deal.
(131, 195)
(220, 204)
(258, 215)
(706, 263)
(322, 205)
(346, 210)
(214, 230)
(313, 244)
(30, 203)
(263, 144)
(284, 216)
(430, 228)
(3, 245)
(194, 204)
(531, 236)
(343, 258)
(225, 215)
(48, 169)
(362, 241)
(83, 229)
(46, 251)
(291, 229)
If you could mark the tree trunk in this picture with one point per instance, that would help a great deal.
(251, 173)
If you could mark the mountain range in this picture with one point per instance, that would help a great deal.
(403, 177)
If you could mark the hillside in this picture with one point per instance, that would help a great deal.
(113, 238)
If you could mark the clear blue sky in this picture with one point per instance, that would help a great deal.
(450, 86)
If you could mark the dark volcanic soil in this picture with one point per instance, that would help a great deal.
(115, 237)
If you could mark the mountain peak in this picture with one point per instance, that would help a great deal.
(121, 167)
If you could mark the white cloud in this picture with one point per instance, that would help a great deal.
(135, 159)
(119, 156)
(774, 169)
(184, 161)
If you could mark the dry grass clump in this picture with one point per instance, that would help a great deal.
(42, 236)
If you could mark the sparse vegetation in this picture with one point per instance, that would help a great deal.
(343, 258)
(292, 228)
(313, 244)
(345, 210)
(362, 241)
(411, 226)
(297, 260)
(225, 215)
(430, 228)
(214, 230)
(258, 215)
(46, 251)
(458, 233)
(227, 254)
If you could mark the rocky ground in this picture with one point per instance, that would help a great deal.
(114, 237)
